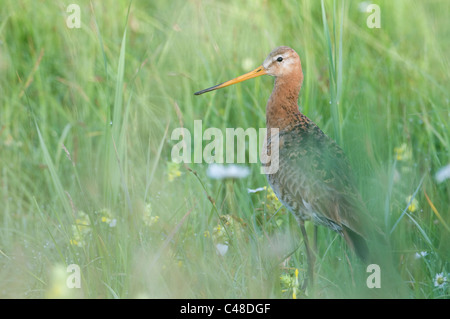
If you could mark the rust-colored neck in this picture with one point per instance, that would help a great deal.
(282, 108)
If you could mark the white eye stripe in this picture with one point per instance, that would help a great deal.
(274, 60)
(279, 58)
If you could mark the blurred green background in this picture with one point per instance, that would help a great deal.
(86, 116)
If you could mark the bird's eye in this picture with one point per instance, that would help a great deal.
(280, 59)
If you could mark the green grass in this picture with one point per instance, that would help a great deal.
(86, 117)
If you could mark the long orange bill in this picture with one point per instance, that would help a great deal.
(252, 74)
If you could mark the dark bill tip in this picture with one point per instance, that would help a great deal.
(212, 88)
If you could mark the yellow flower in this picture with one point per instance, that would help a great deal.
(290, 282)
(147, 216)
(403, 153)
(414, 204)
(82, 220)
(173, 170)
(106, 217)
(296, 285)
(271, 195)
(78, 236)
(80, 230)
(273, 204)
(219, 234)
(234, 229)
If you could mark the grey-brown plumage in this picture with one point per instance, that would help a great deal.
(314, 180)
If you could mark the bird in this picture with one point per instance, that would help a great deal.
(314, 180)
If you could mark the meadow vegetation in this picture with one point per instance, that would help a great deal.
(86, 116)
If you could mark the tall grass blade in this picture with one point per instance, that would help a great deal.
(115, 127)
(335, 71)
(405, 211)
(57, 185)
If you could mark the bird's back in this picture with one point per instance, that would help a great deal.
(314, 181)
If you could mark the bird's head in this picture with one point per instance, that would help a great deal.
(282, 61)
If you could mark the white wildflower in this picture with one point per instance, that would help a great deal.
(440, 280)
(421, 254)
(259, 189)
(222, 249)
(443, 174)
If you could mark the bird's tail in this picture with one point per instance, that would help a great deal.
(357, 243)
